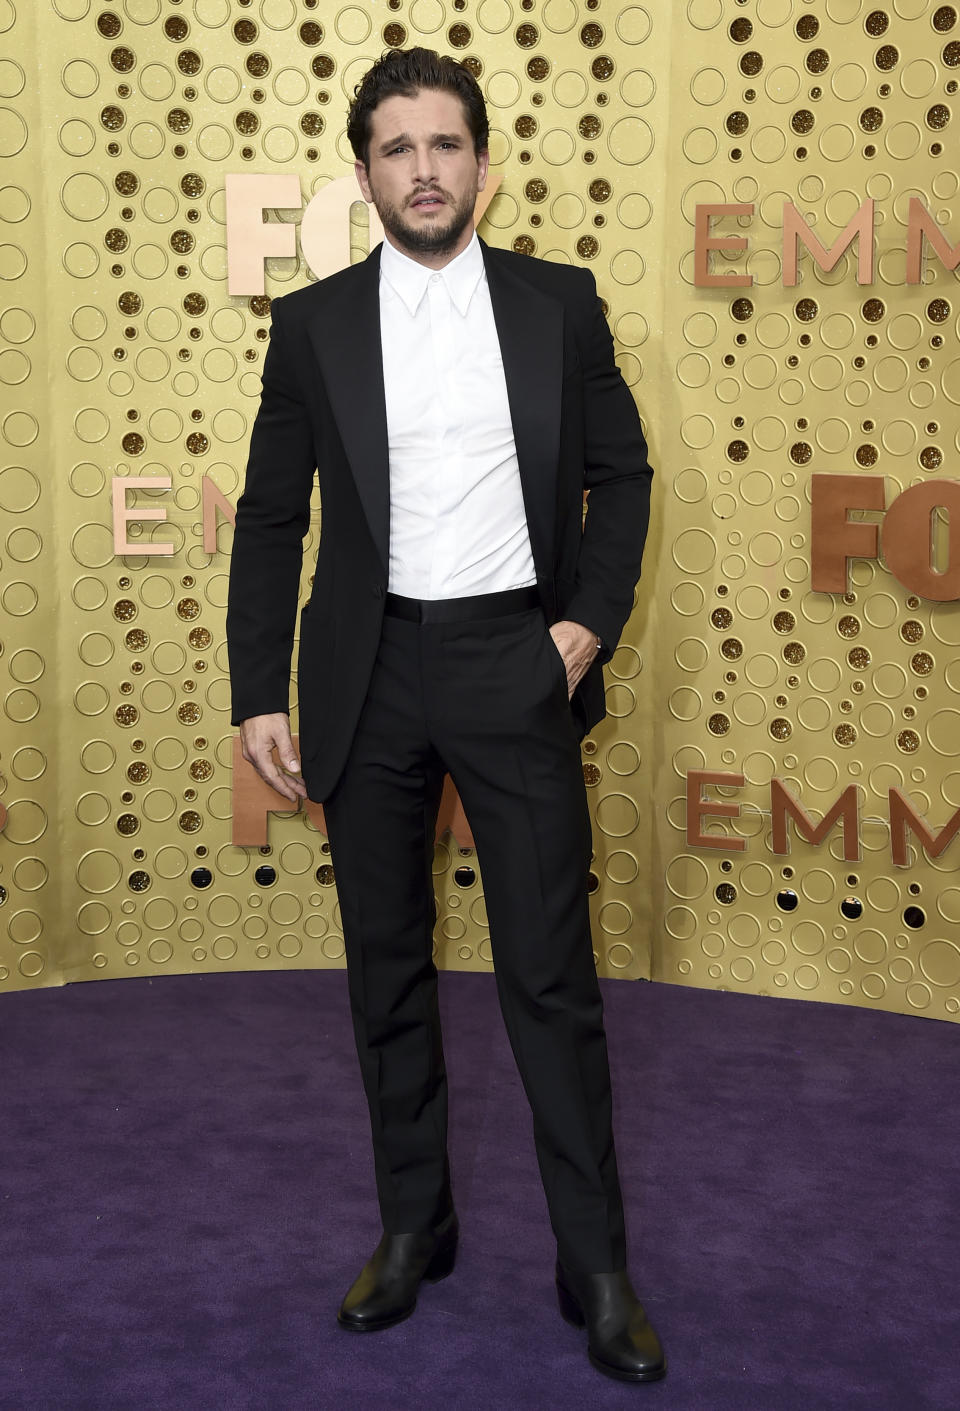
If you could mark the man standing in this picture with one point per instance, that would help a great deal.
(456, 401)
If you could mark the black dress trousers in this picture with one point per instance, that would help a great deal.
(487, 702)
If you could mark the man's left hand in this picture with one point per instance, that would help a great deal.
(578, 647)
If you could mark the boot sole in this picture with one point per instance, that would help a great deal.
(375, 1327)
(653, 1376)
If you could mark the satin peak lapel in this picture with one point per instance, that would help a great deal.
(345, 334)
(530, 330)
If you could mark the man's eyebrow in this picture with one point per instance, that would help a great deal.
(393, 142)
(405, 137)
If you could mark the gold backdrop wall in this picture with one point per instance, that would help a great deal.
(123, 355)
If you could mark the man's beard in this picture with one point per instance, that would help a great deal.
(432, 238)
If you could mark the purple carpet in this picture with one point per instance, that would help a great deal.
(186, 1192)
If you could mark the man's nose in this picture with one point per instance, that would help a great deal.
(424, 166)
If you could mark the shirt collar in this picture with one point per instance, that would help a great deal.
(409, 279)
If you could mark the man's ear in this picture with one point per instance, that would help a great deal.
(483, 166)
(364, 181)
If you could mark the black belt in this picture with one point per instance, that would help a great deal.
(471, 609)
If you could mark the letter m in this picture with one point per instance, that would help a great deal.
(795, 229)
(921, 223)
(903, 816)
(846, 808)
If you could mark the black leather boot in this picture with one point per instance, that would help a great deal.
(621, 1342)
(385, 1291)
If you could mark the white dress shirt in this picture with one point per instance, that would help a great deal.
(457, 520)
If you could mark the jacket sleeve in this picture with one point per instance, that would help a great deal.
(617, 474)
(273, 515)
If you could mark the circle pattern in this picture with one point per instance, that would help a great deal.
(163, 371)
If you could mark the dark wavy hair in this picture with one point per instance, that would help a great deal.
(403, 73)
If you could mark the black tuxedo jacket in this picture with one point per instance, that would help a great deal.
(322, 412)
